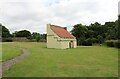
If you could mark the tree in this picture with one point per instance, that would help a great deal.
(111, 30)
(36, 36)
(96, 29)
(43, 36)
(23, 33)
(79, 31)
(90, 34)
(4, 31)
(96, 33)
(100, 39)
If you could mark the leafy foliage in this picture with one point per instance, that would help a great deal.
(39, 37)
(95, 33)
(85, 35)
(36, 36)
(4, 31)
(113, 43)
(22, 33)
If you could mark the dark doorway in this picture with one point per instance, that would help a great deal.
(71, 44)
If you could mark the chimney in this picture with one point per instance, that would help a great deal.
(65, 28)
(48, 24)
(48, 28)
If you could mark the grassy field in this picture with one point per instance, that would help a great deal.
(91, 61)
(9, 52)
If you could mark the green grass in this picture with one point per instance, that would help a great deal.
(9, 52)
(84, 61)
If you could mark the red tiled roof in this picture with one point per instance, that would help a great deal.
(61, 31)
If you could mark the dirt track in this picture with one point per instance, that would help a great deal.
(6, 65)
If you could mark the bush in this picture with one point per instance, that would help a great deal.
(90, 41)
(94, 40)
(117, 44)
(113, 43)
(87, 42)
(80, 41)
(100, 39)
(109, 43)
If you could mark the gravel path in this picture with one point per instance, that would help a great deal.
(6, 65)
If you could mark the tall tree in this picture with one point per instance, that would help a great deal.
(111, 30)
(79, 31)
(22, 33)
(43, 36)
(4, 31)
(95, 33)
(36, 36)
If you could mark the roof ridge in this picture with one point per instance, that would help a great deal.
(60, 32)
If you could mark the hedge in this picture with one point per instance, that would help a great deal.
(117, 44)
(87, 42)
(113, 43)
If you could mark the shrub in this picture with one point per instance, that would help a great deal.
(117, 44)
(94, 40)
(87, 42)
(100, 39)
(113, 43)
(80, 41)
(109, 43)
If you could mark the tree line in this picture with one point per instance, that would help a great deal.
(5, 33)
(94, 33)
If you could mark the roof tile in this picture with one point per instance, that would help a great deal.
(61, 31)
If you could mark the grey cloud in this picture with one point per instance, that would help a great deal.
(35, 14)
(119, 8)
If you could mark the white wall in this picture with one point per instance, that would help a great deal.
(54, 41)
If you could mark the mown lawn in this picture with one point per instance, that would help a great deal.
(10, 52)
(91, 61)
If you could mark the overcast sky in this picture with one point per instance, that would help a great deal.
(33, 15)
